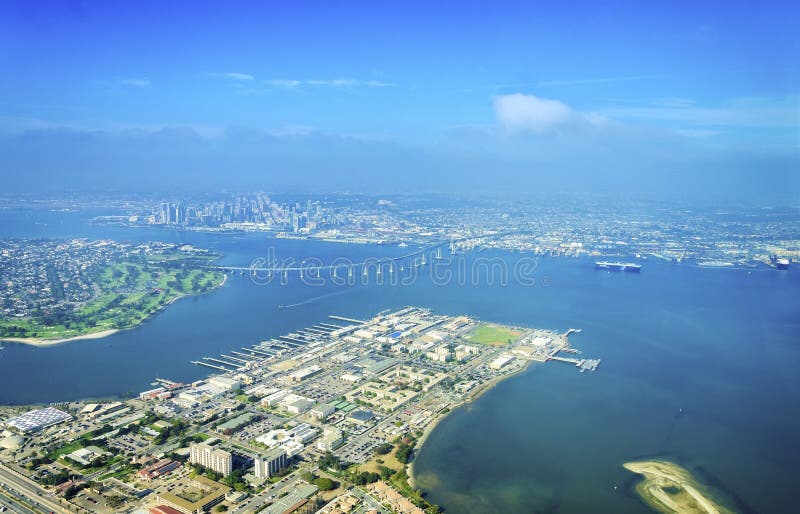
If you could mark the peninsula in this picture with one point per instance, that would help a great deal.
(53, 291)
(327, 416)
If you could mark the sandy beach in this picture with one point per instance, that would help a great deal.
(670, 488)
(50, 342)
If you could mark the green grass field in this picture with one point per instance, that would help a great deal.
(494, 335)
(127, 294)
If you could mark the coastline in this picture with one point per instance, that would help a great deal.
(43, 343)
(472, 396)
(50, 342)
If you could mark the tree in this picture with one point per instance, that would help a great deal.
(325, 484)
(385, 472)
(329, 461)
(383, 449)
(220, 508)
(365, 477)
(404, 452)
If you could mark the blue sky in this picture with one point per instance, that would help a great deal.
(533, 89)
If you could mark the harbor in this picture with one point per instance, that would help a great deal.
(279, 347)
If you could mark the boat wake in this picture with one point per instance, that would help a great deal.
(314, 299)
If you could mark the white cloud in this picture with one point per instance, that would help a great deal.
(239, 76)
(337, 83)
(136, 82)
(283, 83)
(528, 113)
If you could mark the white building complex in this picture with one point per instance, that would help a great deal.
(211, 458)
(270, 463)
(35, 420)
(332, 438)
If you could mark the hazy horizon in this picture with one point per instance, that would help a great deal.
(511, 97)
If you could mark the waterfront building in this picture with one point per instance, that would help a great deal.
(501, 361)
(36, 420)
(224, 382)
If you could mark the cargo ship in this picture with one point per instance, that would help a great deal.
(780, 262)
(618, 266)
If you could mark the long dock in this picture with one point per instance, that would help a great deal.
(570, 360)
(321, 326)
(291, 340)
(349, 320)
(234, 359)
(331, 325)
(249, 357)
(260, 351)
(206, 364)
(218, 361)
(246, 356)
(582, 364)
(283, 345)
(312, 333)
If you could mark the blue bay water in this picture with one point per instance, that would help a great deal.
(719, 345)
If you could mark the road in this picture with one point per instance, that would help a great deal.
(11, 502)
(37, 496)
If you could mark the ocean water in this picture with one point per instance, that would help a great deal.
(700, 366)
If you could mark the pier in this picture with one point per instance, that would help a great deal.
(570, 360)
(234, 359)
(581, 363)
(332, 326)
(325, 329)
(221, 362)
(284, 346)
(261, 351)
(208, 365)
(590, 365)
(168, 383)
(230, 360)
(349, 320)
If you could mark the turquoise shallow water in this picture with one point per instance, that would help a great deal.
(720, 345)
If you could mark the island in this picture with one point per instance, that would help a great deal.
(52, 291)
(669, 488)
(328, 418)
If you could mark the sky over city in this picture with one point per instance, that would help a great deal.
(400, 95)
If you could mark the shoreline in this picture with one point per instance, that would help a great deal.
(51, 342)
(472, 396)
(101, 334)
